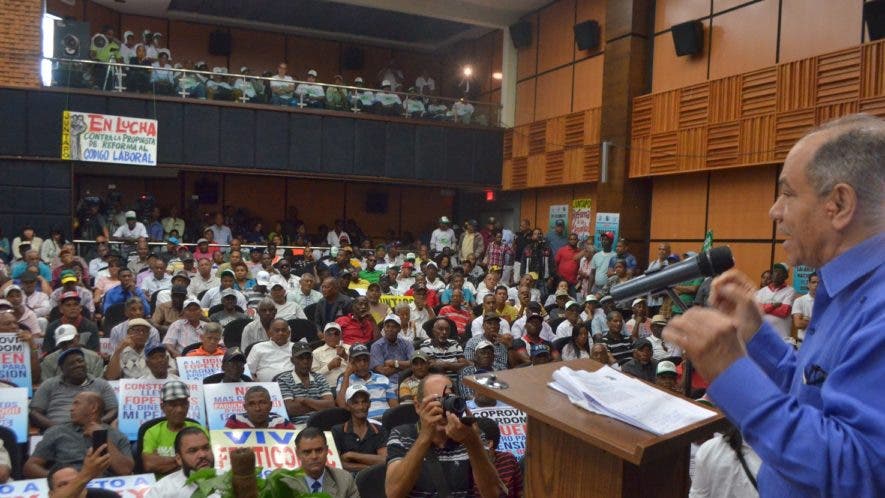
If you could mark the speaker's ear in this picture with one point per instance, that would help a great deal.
(688, 38)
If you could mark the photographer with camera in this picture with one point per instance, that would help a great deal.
(441, 455)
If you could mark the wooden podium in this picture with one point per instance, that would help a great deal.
(573, 452)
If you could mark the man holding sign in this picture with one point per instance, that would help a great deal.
(257, 404)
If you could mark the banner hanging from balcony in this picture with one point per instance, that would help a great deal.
(108, 139)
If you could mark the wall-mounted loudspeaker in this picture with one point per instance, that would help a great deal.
(219, 43)
(521, 34)
(688, 38)
(874, 16)
(71, 40)
(352, 58)
(587, 35)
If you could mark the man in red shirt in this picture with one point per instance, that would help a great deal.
(567, 260)
(454, 312)
(358, 327)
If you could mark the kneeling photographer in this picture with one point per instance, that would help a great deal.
(442, 455)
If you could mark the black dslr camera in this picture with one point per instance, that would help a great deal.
(452, 403)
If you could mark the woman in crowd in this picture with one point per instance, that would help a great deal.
(579, 345)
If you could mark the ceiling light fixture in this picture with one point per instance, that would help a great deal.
(497, 75)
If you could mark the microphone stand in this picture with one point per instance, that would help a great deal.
(687, 369)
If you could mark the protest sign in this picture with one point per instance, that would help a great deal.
(108, 139)
(197, 368)
(581, 219)
(15, 362)
(392, 301)
(606, 222)
(135, 486)
(511, 423)
(139, 401)
(105, 347)
(558, 212)
(225, 399)
(273, 449)
(800, 278)
(31, 488)
(14, 412)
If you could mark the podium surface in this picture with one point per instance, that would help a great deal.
(573, 452)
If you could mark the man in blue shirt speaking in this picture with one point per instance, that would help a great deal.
(816, 417)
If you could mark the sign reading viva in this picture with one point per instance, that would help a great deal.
(108, 139)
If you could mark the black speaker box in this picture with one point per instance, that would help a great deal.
(874, 16)
(72, 40)
(219, 43)
(376, 202)
(587, 35)
(688, 38)
(521, 34)
(352, 58)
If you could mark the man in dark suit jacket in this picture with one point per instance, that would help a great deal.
(332, 305)
(312, 451)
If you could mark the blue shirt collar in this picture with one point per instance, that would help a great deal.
(853, 264)
(309, 480)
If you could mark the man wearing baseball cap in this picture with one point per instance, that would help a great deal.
(443, 236)
(304, 392)
(187, 330)
(330, 359)
(130, 358)
(72, 314)
(360, 443)
(70, 282)
(390, 354)
(491, 332)
(51, 404)
(641, 365)
(381, 391)
(23, 314)
(665, 376)
(131, 231)
(158, 445)
(233, 364)
(777, 300)
(408, 388)
(67, 337)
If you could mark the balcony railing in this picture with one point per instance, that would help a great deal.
(220, 86)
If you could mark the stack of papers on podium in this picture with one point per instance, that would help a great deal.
(614, 394)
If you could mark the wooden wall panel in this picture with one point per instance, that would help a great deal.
(62, 9)
(260, 51)
(670, 12)
(811, 27)
(751, 258)
(744, 39)
(378, 224)
(99, 15)
(555, 41)
(241, 190)
(318, 202)
(678, 207)
(739, 200)
(551, 100)
(527, 58)
(137, 24)
(527, 206)
(591, 10)
(525, 102)
(588, 83)
(309, 53)
(189, 43)
(873, 70)
(670, 71)
(420, 220)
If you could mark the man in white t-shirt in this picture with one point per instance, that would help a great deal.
(599, 263)
(776, 300)
(310, 94)
(282, 88)
(425, 84)
(443, 236)
(802, 307)
(131, 231)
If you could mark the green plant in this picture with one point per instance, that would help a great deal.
(280, 483)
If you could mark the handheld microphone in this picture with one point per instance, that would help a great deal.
(706, 264)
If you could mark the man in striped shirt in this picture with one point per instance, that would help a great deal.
(446, 355)
(382, 392)
(304, 392)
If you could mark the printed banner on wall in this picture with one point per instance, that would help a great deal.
(606, 222)
(558, 212)
(108, 139)
(581, 219)
(15, 362)
(274, 449)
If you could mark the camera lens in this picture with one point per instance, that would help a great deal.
(454, 404)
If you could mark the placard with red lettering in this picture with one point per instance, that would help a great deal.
(135, 486)
(197, 368)
(139, 401)
(225, 399)
(30, 488)
(14, 412)
(273, 449)
(15, 362)
(103, 138)
(511, 423)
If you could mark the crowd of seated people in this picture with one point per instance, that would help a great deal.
(152, 69)
(314, 319)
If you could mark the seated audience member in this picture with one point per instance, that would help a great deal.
(572, 317)
(620, 346)
(219, 86)
(361, 442)
(192, 452)
(259, 329)
(31, 258)
(209, 341)
(579, 345)
(229, 311)
(168, 312)
(330, 359)
(413, 106)
(378, 309)
(488, 306)
(361, 99)
(158, 446)
(639, 325)
(412, 450)
(36, 298)
(124, 291)
(381, 391)
(204, 279)
(67, 337)
(305, 295)
(257, 406)
(446, 355)
(517, 330)
(134, 309)
(541, 355)
(725, 465)
(282, 88)
(162, 77)
(661, 349)
(310, 94)
(130, 356)
(68, 443)
(233, 366)
(68, 482)
(212, 297)
(336, 98)
(312, 451)
(304, 392)
(5, 465)
(287, 310)
(483, 362)
(251, 89)
(491, 332)
(600, 353)
(462, 111)
(408, 388)
(665, 376)
(524, 348)
(51, 404)
(386, 102)
(160, 364)
(599, 324)
(390, 354)
(10, 326)
(187, 330)
(71, 282)
(269, 358)
(455, 311)
(506, 465)
(641, 365)
(25, 317)
(358, 327)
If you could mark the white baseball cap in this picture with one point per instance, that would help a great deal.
(385, 83)
(312, 72)
(130, 215)
(353, 389)
(392, 318)
(65, 333)
(262, 278)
